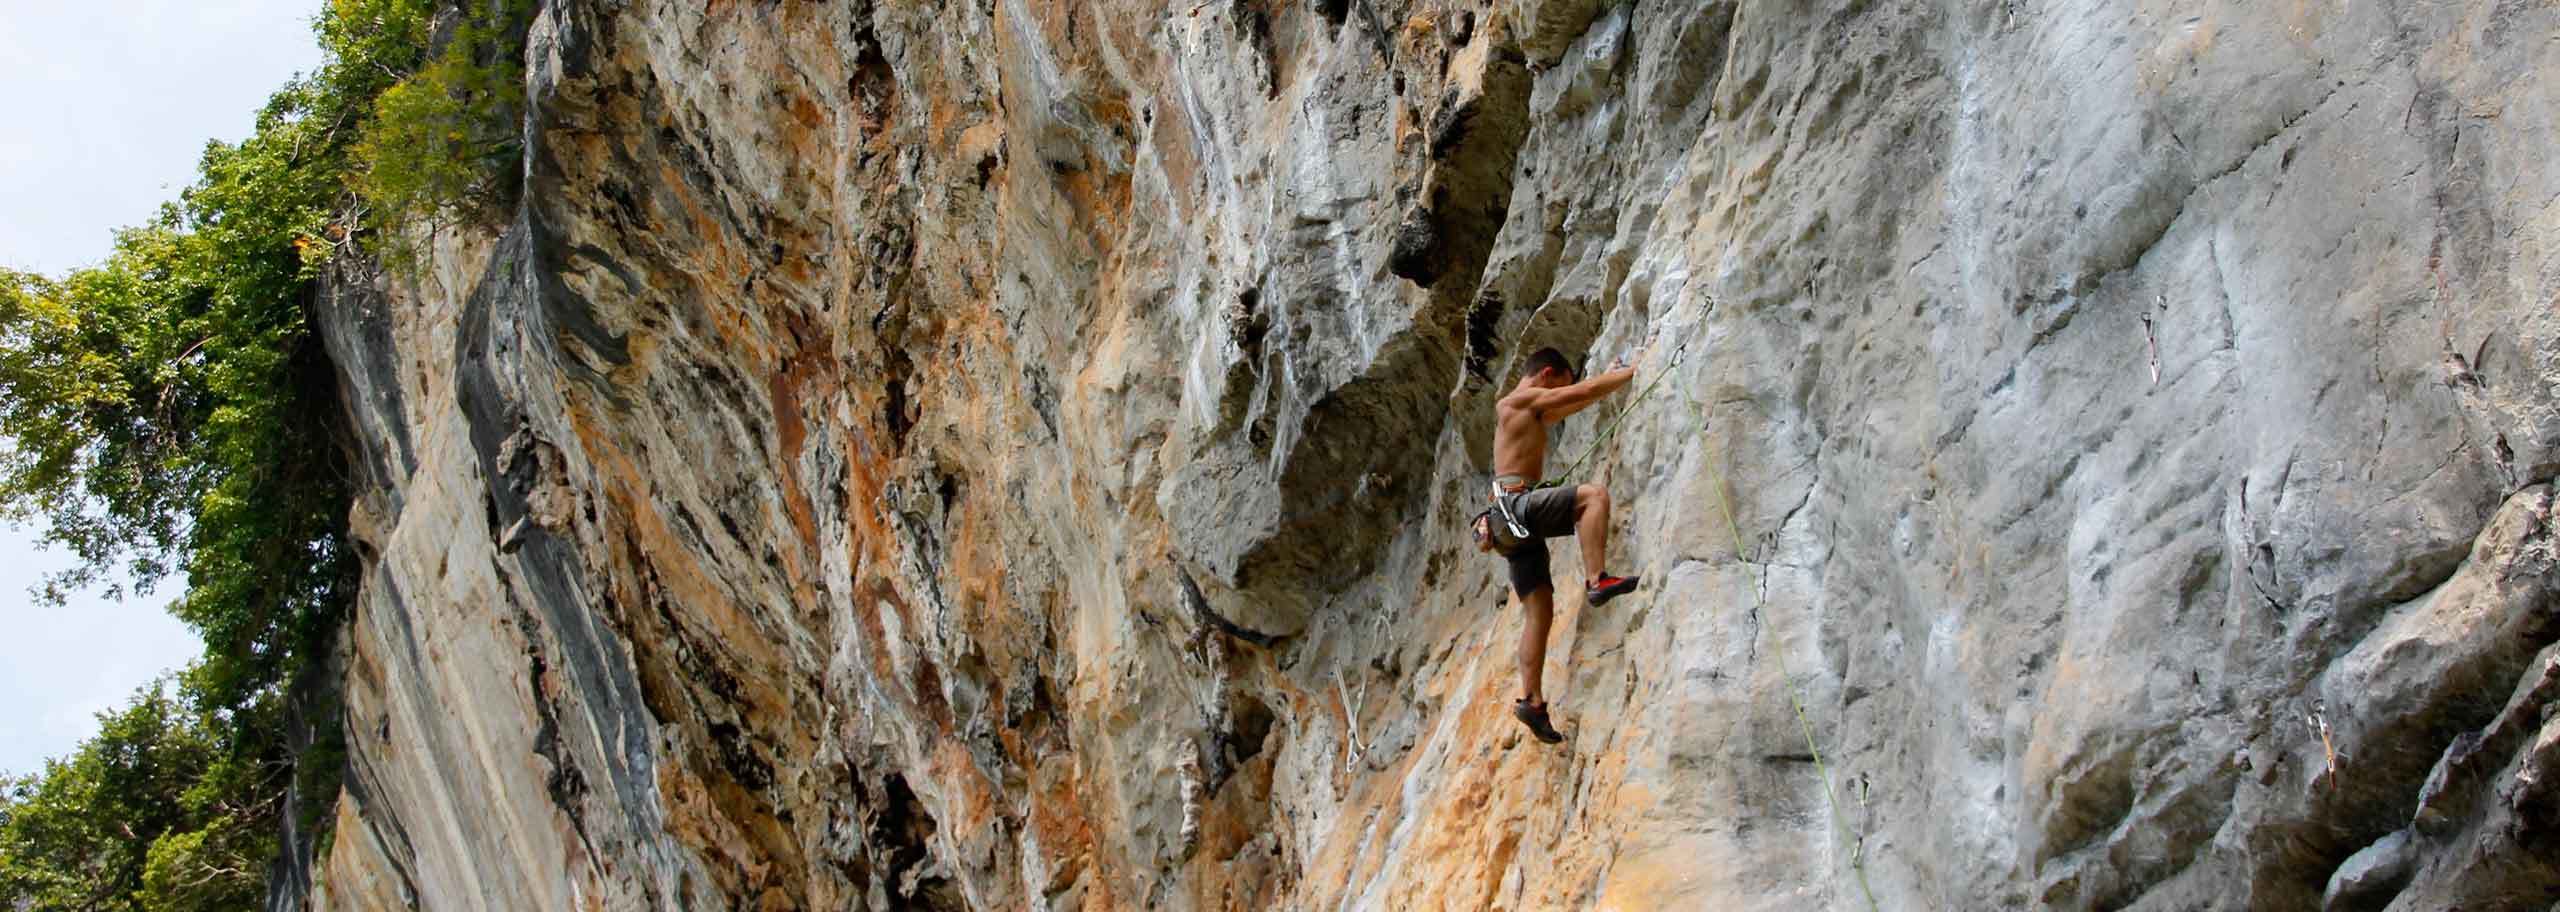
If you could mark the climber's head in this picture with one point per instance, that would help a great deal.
(1548, 368)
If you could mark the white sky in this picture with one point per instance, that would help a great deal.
(105, 106)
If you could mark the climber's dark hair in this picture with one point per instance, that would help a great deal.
(1547, 357)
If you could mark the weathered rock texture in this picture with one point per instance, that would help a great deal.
(1011, 454)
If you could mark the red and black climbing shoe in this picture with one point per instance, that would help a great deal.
(1608, 587)
(1535, 716)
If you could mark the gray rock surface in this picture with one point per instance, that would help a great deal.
(2371, 876)
(1012, 454)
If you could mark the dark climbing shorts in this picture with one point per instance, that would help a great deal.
(1548, 512)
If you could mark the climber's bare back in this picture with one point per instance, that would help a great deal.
(1520, 435)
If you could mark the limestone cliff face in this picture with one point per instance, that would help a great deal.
(1012, 454)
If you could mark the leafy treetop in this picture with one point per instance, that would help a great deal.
(171, 409)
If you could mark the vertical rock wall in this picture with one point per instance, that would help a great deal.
(1012, 454)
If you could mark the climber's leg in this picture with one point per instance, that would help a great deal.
(1538, 609)
(1591, 526)
(1537, 594)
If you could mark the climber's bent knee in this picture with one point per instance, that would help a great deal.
(1590, 497)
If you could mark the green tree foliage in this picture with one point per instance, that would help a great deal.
(171, 409)
(147, 815)
(443, 137)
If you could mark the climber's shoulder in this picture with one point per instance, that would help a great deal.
(1516, 404)
(1527, 405)
(1531, 398)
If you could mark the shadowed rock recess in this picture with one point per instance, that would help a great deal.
(1002, 454)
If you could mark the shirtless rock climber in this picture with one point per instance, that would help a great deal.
(1522, 518)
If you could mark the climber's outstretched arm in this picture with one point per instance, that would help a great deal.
(1555, 404)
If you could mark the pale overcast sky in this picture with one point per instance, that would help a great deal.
(104, 108)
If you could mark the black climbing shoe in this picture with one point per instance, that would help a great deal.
(1608, 587)
(1536, 718)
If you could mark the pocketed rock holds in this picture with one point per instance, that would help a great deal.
(957, 424)
(1414, 252)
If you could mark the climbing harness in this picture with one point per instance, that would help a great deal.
(1795, 695)
(1491, 534)
(1499, 528)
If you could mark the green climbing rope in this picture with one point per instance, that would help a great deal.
(1609, 429)
(1760, 604)
(1795, 695)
